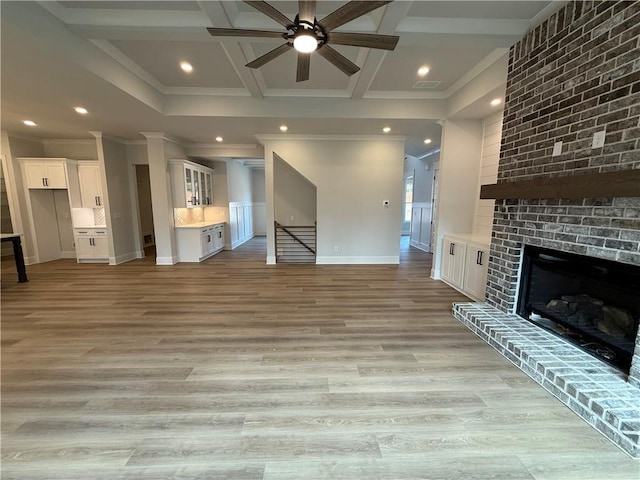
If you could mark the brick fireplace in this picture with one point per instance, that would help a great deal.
(576, 74)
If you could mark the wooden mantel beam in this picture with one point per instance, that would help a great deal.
(625, 183)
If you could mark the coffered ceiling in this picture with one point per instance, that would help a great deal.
(120, 59)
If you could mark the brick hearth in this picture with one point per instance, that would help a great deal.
(595, 391)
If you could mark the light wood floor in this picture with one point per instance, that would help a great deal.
(232, 369)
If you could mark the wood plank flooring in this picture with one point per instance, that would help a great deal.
(232, 369)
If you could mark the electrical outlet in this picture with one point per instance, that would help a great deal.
(598, 139)
(336, 249)
(557, 149)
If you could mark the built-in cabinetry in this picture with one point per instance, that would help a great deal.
(90, 185)
(191, 184)
(91, 244)
(464, 264)
(45, 174)
(197, 242)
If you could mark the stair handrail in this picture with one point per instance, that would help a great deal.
(292, 235)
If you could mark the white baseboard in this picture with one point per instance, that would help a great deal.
(271, 260)
(435, 274)
(327, 260)
(166, 260)
(123, 258)
(69, 254)
(421, 246)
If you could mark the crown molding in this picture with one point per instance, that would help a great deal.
(206, 91)
(269, 137)
(405, 95)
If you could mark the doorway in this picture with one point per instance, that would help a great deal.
(145, 211)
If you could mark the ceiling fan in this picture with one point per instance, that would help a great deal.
(306, 34)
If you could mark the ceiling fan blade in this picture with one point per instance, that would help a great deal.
(237, 32)
(369, 40)
(307, 10)
(304, 60)
(271, 12)
(339, 60)
(267, 57)
(349, 11)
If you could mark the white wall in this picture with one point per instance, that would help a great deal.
(117, 173)
(13, 148)
(458, 181)
(137, 153)
(294, 195)
(73, 149)
(492, 133)
(353, 176)
(259, 202)
(238, 182)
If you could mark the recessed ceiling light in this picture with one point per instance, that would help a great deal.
(219, 139)
(496, 101)
(81, 110)
(29, 123)
(386, 129)
(186, 66)
(427, 141)
(283, 128)
(422, 71)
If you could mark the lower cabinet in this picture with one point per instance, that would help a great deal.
(453, 262)
(464, 265)
(91, 245)
(195, 244)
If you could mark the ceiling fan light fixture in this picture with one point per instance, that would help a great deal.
(305, 42)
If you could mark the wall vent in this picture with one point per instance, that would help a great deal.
(426, 84)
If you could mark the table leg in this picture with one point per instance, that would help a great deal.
(19, 257)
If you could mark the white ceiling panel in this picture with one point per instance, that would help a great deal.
(161, 60)
(132, 5)
(502, 10)
(399, 71)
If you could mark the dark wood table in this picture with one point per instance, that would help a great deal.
(17, 254)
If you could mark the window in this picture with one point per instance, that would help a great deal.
(408, 198)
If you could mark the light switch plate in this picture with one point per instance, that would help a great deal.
(557, 149)
(598, 139)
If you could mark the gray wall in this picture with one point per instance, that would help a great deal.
(294, 195)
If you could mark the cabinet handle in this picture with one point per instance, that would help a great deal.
(44, 181)
(479, 257)
(452, 248)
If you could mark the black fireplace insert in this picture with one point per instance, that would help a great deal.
(591, 302)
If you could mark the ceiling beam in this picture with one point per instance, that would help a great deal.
(393, 14)
(218, 16)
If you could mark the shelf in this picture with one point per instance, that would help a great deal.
(625, 183)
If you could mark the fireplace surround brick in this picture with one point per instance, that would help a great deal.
(575, 74)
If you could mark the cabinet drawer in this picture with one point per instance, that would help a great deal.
(90, 232)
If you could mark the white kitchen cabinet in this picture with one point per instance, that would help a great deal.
(91, 245)
(90, 185)
(218, 236)
(453, 261)
(198, 242)
(191, 184)
(45, 175)
(465, 261)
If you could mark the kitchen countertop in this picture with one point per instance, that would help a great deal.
(199, 225)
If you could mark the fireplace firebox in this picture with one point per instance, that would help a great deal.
(591, 302)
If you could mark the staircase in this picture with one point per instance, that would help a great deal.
(295, 244)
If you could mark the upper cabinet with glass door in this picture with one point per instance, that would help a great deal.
(191, 184)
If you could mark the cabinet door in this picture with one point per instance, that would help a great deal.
(35, 174)
(101, 247)
(219, 238)
(453, 262)
(84, 247)
(90, 186)
(188, 179)
(209, 189)
(475, 273)
(196, 188)
(56, 176)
